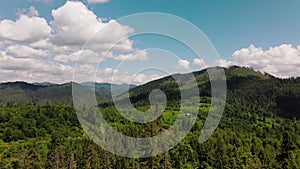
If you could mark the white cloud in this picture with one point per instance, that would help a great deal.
(61, 41)
(46, 44)
(85, 72)
(74, 24)
(24, 29)
(252, 55)
(281, 61)
(5, 43)
(199, 62)
(89, 56)
(97, 1)
(42, 44)
(109, 72)
(21, 11)
(140, 55)
(29, 12)
(182, 65)
(142, 78)
(111, 75)
(223, 63)
(33, 70)
(24, 51)
(82, 56)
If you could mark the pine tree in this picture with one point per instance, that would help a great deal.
(221, 153)
(285, 156)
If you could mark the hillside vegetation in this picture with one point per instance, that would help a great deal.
(260, 128)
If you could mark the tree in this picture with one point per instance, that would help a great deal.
(285, 157)
(221, 154)
(54, 156)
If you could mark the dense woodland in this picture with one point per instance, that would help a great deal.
(260, 128)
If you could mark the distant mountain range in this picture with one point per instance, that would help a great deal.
(247, 90)
(108, 89)
(45, 84)
(42, 93)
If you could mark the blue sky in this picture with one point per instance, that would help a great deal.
(263, 34)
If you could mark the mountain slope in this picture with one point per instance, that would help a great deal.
(247, 90)
(108, 89)
(25, 93)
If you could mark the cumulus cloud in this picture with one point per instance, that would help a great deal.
(72, 26)
(32, 70)
(281, 61)
(5, 43)
(89, 56)
(29, 12)
(222, 63)
(140, 55)
(75, 24)
(115, 76)
(24, 51)
(25, 29)
(85, 56)
(46, 44)
(61, 41)
(199, 62)
(142, 78)
(251, 56)
(109, 72)
(97, 1)
(182, 65)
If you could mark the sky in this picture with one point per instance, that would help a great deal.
(49, 40)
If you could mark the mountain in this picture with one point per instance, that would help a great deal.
(44, 84)
(247, 90)
(25, 93)
(41, 93)
(106, 88)
(258, 128)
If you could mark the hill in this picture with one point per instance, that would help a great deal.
(26, 93)
(258, 128)
(247, 90)
(107, 89)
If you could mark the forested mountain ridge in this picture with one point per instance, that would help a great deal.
(259, 128)
(108, 89)
(246, 89)
(41, 93)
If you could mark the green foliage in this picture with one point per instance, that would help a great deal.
(235, 144)
(24, 93)
(260, 128)
(37, 121)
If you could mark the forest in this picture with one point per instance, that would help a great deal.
(260, 128)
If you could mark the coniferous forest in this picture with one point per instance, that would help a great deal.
(260, 127)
